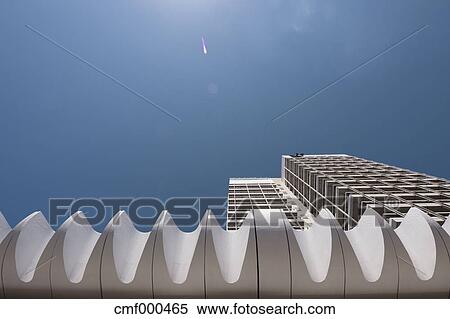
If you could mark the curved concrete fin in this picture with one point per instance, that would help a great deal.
(79, 242)
(315, 245)
(178, 269)
(230, 247)
(179, 248)
(128, 246)
(4, 227)
(34, 233)
(317, 271)
(367, 241)
(260, 259)
(417, 237)
(127, 259)
(446, 225)
(228, 273)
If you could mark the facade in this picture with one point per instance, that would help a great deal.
(327, 228)
(266, 195)
(347, 185)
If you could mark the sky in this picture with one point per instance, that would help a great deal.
(80, 80)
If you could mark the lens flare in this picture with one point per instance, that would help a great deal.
(205, 50)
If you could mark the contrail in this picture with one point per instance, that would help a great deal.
(205, 50)
(100, 71)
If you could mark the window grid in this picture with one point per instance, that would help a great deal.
(258, 196)
(347, 185)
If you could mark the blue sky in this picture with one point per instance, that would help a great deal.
(68, 131)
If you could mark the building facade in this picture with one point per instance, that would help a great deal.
(347, 185)
(266, 195)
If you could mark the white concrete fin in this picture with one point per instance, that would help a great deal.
(367, 241)
(128, 246)
(179, 248)
(34, 234)
(79, 242)
(418, 239)
(265, 213)
(446, 225)
(230, 247)
(316, 245)
(4, 227)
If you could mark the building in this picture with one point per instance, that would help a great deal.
(347, 185)
(266, 195)
(331, 226)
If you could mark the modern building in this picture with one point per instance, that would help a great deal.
(330, 226)
(267, 195)
(347, 185)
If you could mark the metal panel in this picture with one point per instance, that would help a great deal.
(273, 256)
